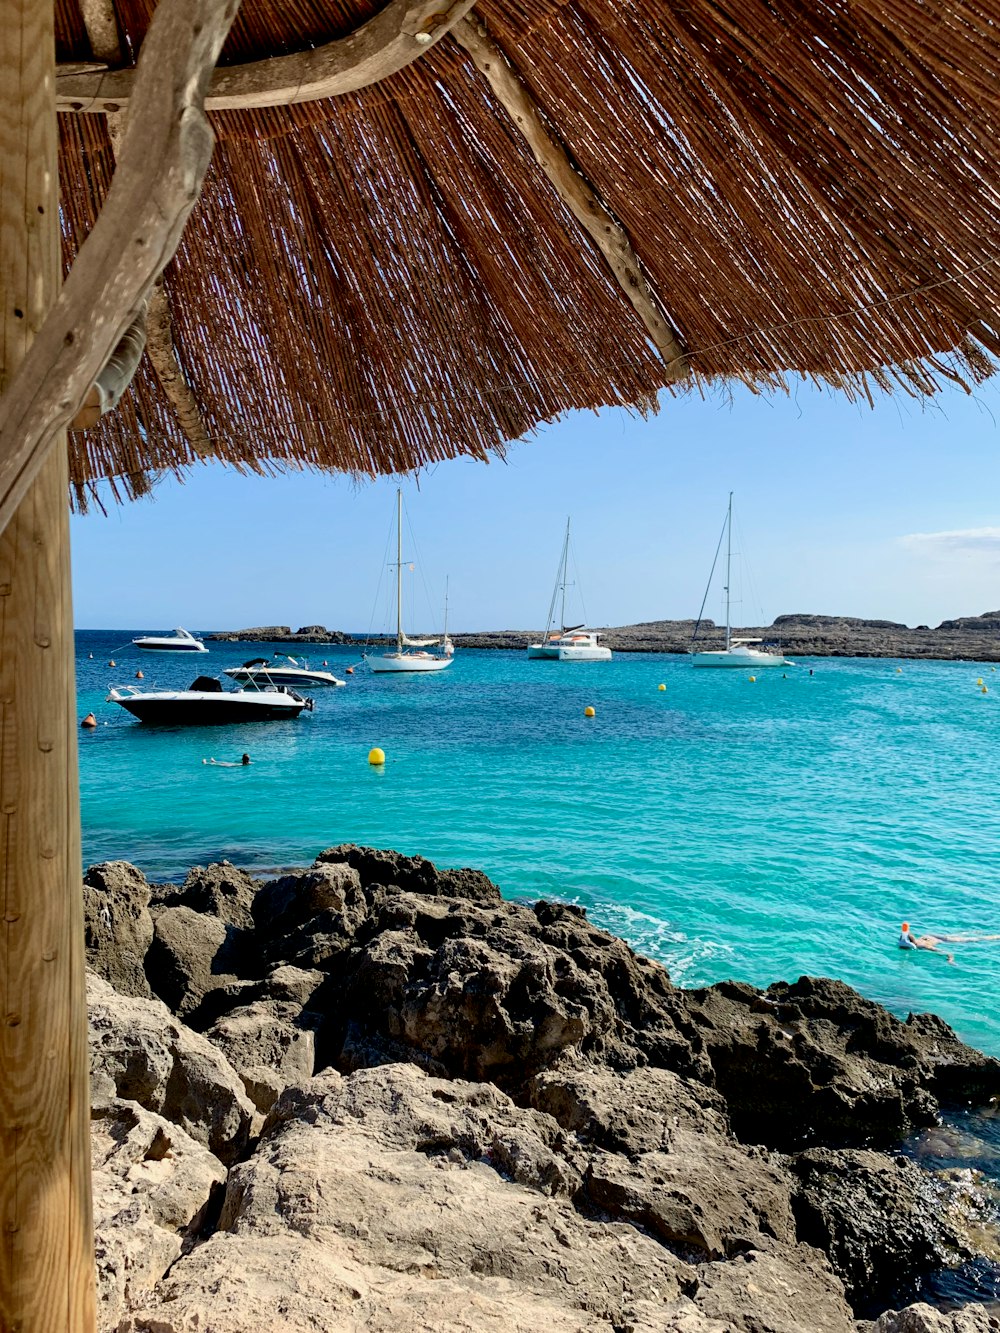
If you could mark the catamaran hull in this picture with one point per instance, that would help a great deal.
(590, 653)
(742, 661)
(408, 662)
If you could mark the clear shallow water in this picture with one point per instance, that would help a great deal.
(728, 829)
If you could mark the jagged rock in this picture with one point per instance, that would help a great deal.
(397, 1176)
(117, 924)
(141, 1053)
(703, 1195)
(631, 1113)
(153, 1186)
(190, 956)
(785, 1289)
(815, 1063)
(874, 1216)
(414, 874)
(282, 904)
(500, 992)
(221, 889)
(925, 1319)
(269, 1045)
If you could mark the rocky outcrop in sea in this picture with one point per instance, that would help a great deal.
(969, 638)
(375, 1095)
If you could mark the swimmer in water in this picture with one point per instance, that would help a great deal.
(907, 940)
(226, 763)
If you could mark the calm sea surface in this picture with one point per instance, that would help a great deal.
(727, 828)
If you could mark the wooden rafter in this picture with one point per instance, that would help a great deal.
(389, 42)
(576, 192)
(165, 154)
(102, 30)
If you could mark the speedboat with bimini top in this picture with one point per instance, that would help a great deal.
(290, 671)
(570, 643)
(181, 641)
(739, 650)
(207, 704)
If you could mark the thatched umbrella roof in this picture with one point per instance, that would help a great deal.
(384, 278)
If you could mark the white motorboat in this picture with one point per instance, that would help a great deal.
(411, 654)
(181, 641)
(568, 644)
(739, 651)
(207, 704)
(289, 671)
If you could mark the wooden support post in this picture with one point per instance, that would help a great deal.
(46, 1234)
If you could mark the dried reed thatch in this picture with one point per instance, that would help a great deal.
(379, 280)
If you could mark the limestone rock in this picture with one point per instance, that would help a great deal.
(786, 1289)
(413, 874)
(815, 1063)
(221, 889)
(874, 1216)
(191, 955)
(924, 1319)
(152, 1189)
(284, 903)
(141, 1053)
(269, 1045)
(117, 924)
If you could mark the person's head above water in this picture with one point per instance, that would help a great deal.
(246, 759)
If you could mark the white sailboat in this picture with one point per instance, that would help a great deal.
(410, 654)
(569, 643)
(739, 651)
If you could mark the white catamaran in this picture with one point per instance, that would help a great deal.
(410, 654)
(568, 643)
(738, 652)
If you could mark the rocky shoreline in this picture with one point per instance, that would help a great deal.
(375, 1095)
(971, 638)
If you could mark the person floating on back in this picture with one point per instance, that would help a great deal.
(907, 940)
(227, 763)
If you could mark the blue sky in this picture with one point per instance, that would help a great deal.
(891, 513)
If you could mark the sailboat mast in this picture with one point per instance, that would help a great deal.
(446, 606)
(729, 562)
(565, 562)
(399, 569)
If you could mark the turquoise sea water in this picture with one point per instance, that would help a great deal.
(727, 828)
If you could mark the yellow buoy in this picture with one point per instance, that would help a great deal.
(753, 679)
(89, 721)
(899, 671)
(661, 687)
(979, 681)
(376, 757)
(985, 689)
(589, 712)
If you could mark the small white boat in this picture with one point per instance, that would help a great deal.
(181, 641)
(572, 644)
(411, 654)
(739, 652)
(290, 671)
(207, 704)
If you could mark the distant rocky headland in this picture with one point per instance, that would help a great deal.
(375, 1095)
(974, 638)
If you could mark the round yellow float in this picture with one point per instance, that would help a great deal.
(376, 757)
(589, 712)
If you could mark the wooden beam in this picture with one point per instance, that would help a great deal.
(576, 192)
(46, 1230)
(164, 157)
(160, 346)
(161, 352)
(102, 30)
(387, 43)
